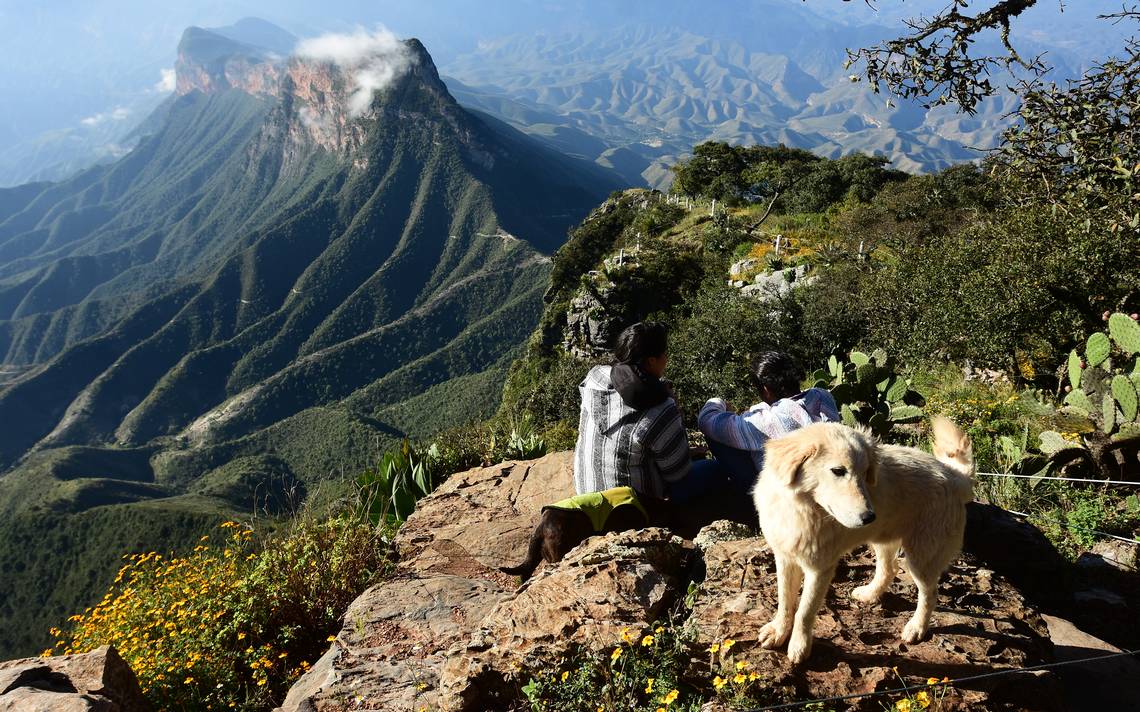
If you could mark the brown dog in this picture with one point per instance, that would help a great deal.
(560, 530)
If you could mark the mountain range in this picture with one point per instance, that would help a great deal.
(305, 259)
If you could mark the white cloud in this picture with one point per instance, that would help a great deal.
(117, 114)
(372, 59)
(167, 83)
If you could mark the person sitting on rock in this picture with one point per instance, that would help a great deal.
(630, 431)
(736, 440)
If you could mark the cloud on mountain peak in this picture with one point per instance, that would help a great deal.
(373, 60)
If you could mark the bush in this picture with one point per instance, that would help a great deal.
(232, 624)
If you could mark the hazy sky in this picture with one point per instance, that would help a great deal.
(63, 62)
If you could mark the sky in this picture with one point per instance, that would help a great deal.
(98, 64)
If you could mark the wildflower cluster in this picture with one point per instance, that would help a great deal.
(640, 673)
(231, 624)
(733, 678)
(930, 697)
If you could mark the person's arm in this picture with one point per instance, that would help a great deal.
(719, 423)
(823, 405)
(669, 444)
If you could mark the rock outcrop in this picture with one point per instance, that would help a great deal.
(982, 625)
(98, 681)
(449, 631)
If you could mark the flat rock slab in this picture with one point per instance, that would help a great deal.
(981, 625)
(393, 644)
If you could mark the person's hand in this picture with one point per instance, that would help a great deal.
(698, 452)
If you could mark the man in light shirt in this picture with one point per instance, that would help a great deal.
(737, 440)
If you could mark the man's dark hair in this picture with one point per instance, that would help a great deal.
(779, 372)
(637, 342)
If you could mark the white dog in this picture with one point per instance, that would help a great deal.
(828, 488)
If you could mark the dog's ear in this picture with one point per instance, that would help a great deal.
(783, 457)
(871, 452)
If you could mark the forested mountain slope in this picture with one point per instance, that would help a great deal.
(233, 309)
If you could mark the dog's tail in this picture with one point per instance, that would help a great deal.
(953, 447)
(533, 557)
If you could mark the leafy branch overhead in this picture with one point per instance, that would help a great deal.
(935, 61)
(1072, 147)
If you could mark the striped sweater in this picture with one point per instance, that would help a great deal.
(619, 446)
(752, 428)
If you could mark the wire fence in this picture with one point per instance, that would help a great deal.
(1059, 479)
(911, 689)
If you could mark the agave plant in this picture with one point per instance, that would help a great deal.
(390, 491)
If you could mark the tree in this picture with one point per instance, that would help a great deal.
(1072, 150)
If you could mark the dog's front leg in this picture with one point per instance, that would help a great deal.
(788, 578)
(815, 590)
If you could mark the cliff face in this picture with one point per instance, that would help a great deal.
(329, 103)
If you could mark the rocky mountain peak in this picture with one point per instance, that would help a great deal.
(325, 85)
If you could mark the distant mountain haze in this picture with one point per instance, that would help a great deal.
(70, 63)
(303, 247)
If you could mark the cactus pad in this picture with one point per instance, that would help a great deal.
(1074, 369)
(906, 414)
(1108, 406)
(1097, 348)
(1128, 431)
(1052, 442)
(1125, 394)
(859, 358)
(1078, 401)
(1125, 332)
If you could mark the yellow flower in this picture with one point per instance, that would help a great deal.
(649, 685)
(659, 630)
(615, 654)
(565, 674)
(753, 677)
(923, 699)
(931, 681)
(903, 706)
(741, 664)
(187, 681)
(627, 636)
(262, 682)
(671, 697)
(241, 636)
(719, 682)
(647, 641)
(728, 643)
(714, 648)
(330, 639)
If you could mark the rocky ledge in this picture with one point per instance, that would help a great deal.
(448, 631)
(98, 681)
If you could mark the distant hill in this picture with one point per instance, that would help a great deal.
(239, 306)
(636, 97)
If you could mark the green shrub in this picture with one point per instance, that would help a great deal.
(232, 624)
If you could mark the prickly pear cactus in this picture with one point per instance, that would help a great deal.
(1103, 391)
(870, 392)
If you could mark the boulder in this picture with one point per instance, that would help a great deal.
(982, 625)
(777, 284)
(1113, 683)
(482, 519)
(607, 584)
(98, 680)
